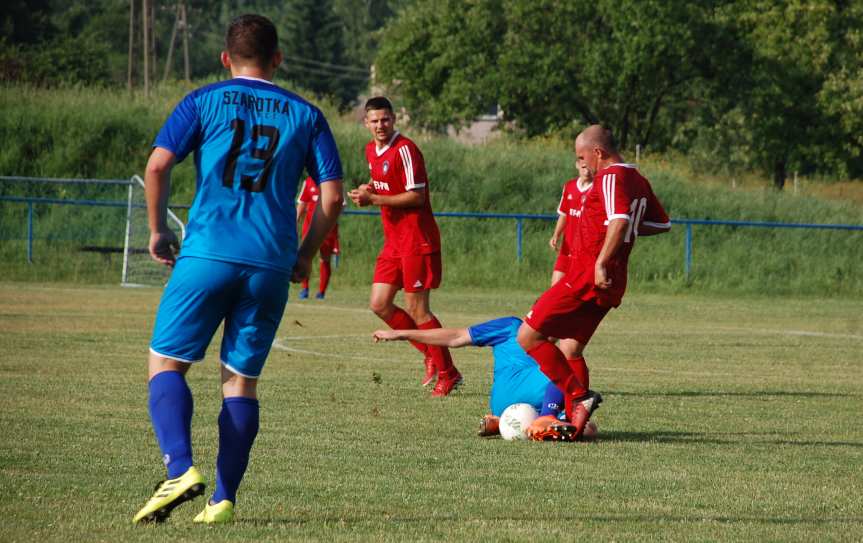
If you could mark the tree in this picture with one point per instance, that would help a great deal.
(841, 96)
(549, 64)
(313, 44)
(440, 58)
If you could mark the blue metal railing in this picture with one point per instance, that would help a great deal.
(687, 238)
(519, 218)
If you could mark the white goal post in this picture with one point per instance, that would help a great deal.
(139, 270)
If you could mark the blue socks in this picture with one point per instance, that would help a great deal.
(238, 426)
(552, 403)
(170, 406)
(171, 409)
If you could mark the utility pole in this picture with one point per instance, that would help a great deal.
(169, 59)
(185, 23)
(153, 38)
(131, 44)
(145, 12)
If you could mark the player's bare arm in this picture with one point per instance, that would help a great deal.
(326, 215)
(157, 187)
(558, 230)
(363, 196)
(441, 337)
(613, 242)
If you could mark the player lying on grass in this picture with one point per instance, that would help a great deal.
(517, 378)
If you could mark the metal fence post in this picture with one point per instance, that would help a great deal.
(518, 236)
(687, 266)
(29, 232)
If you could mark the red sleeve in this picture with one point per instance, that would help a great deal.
(616, 195)
(413, 167)
(306, 194)
(565, 203)
(655, 214)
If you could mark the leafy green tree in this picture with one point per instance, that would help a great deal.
(841, 96)
(313, 44)
(550, 64)
(25, 21)
(361, 20)
(440, 58)
(788, 47)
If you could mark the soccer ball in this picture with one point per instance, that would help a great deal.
(515, 420)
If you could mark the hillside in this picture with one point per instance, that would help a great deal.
(96, 133)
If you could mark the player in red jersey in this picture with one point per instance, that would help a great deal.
(619, 207)
(306, 203)
(569, 211)
(410, 258)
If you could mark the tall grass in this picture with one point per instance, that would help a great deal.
(81, 132)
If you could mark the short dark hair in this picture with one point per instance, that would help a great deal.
(252, 38)
(379, 102)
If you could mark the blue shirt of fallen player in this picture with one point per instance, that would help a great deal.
(517, 377)
(251, 141)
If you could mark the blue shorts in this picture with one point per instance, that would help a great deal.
(201, 294)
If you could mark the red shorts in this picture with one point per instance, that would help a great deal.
(414, 273)
(560, 312)
(562, 263)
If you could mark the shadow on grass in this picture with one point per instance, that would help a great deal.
(641, 519)
(730, 438)
(722, 393)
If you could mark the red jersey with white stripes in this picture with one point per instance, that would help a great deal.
(396, 169)
(618, 192)
(571, 202)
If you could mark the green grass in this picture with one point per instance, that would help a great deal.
(81, 132)
(726, 418)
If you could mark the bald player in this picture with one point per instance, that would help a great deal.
(620, 207)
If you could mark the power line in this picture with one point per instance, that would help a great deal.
(314, 71)
(343, 67)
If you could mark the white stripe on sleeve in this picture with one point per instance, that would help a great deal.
(662, 225)
(408, 164)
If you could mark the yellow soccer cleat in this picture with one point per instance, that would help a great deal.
(169, 494)
(216, 513)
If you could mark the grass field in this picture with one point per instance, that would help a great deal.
(725, 419)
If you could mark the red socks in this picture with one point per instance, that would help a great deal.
(440, 355)
(400, 320)
(554, 365)
(579, 368)
(326, 270)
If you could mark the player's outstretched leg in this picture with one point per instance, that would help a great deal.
(489, 426)
(238, 427)
(171, 406)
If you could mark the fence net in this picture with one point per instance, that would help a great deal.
(78, 229)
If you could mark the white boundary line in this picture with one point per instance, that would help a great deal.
(277, 344)
(334, 336)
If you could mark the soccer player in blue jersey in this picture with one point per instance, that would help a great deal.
(517, 378)
(251, 141)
